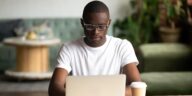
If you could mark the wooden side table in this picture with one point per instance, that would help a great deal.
(32, 58)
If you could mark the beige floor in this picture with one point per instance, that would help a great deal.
(12, 87)
(25, 94)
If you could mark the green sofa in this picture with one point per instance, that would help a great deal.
(166, 68)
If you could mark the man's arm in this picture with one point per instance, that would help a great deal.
(132, 74)
(56, 86)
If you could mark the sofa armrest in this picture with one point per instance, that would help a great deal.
(165, 57)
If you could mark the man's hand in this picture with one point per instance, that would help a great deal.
(128, 91)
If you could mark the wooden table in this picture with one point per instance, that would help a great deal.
(32, 57)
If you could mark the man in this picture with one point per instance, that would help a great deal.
(96, 53)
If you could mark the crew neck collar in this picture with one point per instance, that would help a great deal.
(96, 48)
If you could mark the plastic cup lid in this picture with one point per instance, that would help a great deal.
(138, 85)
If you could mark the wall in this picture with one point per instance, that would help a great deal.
(32, 10)
(56, 8)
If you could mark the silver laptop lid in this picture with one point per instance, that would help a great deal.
(104, 85)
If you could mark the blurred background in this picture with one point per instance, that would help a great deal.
(160, 31)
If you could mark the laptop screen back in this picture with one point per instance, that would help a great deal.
(104, 85)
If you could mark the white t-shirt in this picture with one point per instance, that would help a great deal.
(80, 59)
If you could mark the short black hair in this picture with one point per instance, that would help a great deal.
(95, 6)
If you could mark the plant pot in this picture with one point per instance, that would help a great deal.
(169, 34)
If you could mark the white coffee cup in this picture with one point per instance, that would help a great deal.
(138, 88)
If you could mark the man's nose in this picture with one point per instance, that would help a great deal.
(96, 31)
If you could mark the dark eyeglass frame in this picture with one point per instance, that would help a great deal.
(99, 27)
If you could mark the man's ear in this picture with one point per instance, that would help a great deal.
(82, 22)
(109, 22)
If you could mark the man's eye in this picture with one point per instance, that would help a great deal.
(89, 26)
(102, 27)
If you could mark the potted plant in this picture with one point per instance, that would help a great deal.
(170, 12)
(138, 27)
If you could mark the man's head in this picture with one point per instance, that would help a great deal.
(95, 22)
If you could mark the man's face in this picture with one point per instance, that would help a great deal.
(95, 28)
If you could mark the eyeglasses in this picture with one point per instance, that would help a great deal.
(91, 27)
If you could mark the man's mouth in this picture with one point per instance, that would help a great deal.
(96, 38)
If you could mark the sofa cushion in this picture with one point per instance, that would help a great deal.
(168, 83)
(165, 57)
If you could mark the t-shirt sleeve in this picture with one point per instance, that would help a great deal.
(128, 54)
(63, 59)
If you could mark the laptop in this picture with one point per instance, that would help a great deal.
(102, 85)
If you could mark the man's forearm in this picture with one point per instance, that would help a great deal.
(57, 82)
(56, 91)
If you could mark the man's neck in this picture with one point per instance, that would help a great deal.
(94, 44)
